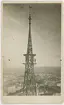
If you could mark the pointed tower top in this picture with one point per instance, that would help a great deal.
(30, 14)
(30, 9)
(29, 49)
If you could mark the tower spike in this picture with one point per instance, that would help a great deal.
(30, 9)
(29, 47)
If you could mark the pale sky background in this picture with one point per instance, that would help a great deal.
(46, 34)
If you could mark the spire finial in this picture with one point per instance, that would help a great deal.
(30, 14)
(30, 9)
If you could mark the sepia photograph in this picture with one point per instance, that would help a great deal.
(31, 49)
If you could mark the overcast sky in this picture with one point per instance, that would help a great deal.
(46, 34)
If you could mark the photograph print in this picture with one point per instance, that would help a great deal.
(31, 49)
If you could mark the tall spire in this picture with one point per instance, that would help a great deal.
(29, 86)
(29, 47)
